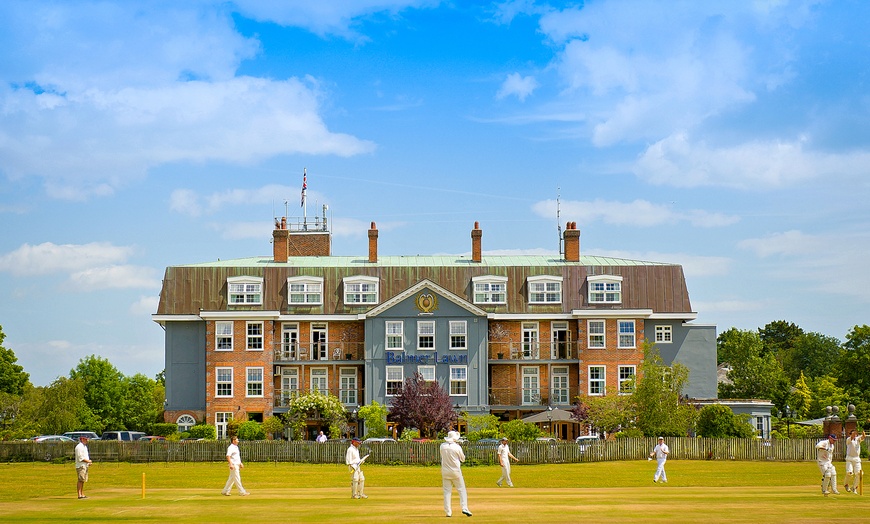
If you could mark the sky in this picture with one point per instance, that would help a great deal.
(732, 138)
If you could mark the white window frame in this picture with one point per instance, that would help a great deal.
(394, 332)
(308, 291)
(597, 386)
(531, 340)
(626, 374)
(427, 372)
(289, 384)
(664, 334)
(594, 333)
(559, 389)
(544, 289)
(319, 348)
(347, 387)
(318, 376)
(604, 289)
(556, 327)
(245, 291)
(290, 341)
(426, 335)
(458, 334)
(360, 290)
(221, 379)
(254, 381)
(489, 289)
(223, 335)
(254, 341)
(531, 377)
(221, 419)
(458, 381)
(626, 334)
(185, 422)
(394, 376)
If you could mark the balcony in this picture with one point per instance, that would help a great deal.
(351, 398)
(332, 351)
(533, 350)
(532, 396)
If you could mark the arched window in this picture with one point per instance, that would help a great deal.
(185, 422)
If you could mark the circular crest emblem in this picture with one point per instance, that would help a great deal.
(426, 302)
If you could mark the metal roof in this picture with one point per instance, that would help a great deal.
(428, 261)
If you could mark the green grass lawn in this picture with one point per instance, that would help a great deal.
(697, 491)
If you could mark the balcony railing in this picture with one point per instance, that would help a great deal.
(534, 350)
(540, 396)
(348, 397)
(331, 351)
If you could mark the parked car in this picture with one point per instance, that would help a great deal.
(152, 438)
(551, 440)
(378, 440)
(125, 436)
(587, 443)
(52, 438)
(76, 434)
(489, 441)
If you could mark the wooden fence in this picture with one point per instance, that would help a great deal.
(333, 452)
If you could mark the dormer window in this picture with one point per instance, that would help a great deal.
(605, 289)
(361, 290)
(305, 291)
(545, 289)
(490, 289)
(245, 290)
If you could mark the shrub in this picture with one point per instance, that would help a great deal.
(206, 431)
(251, 430)
(164, 429)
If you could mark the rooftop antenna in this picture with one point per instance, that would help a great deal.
(304, 208)
(559, 217)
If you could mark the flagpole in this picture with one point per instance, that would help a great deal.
(304, 206)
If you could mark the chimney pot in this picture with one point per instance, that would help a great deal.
(572, 242)
(476, 234)
(373, 243)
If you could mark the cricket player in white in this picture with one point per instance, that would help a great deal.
(452, 458)
(853, 460)
(234, 458)
(354, 462)
(824, 457)
(504, 460)
(660, 452)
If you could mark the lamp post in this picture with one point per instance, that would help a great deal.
(353, 415)
(550, 420)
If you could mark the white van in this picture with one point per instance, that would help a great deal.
(125, 436)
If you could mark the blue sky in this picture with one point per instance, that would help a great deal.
(730, 137)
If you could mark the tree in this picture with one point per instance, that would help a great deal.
(325, 406)
(374, 417)
(657, 400)
(851, 368)
(422, 405)
(481, 426)
(609, 412)
(779, 337)
(812, 354)
(754, 372)
(12, 376)
(251, 430)
(63, 408)
(104, 390)
(520, 431)
(826, 393)
(718, 421)
(143, 403)
(273, 425)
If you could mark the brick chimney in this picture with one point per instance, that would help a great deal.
(572, 242)
(280, 241)
(373, 243)
(476, 235)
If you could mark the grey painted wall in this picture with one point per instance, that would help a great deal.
(475, 357)
(185, 365)
(693, 346)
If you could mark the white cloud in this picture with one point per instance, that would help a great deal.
(518, 86)
(115, 277)
(146, 305)
(678, 161)
(49, 258)
(189, 202)
(326, 16)
(788, 243)
(636, 213)
(729, 306)
(109, 91)
(693, 265)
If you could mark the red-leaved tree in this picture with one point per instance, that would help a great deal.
(422, 405)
